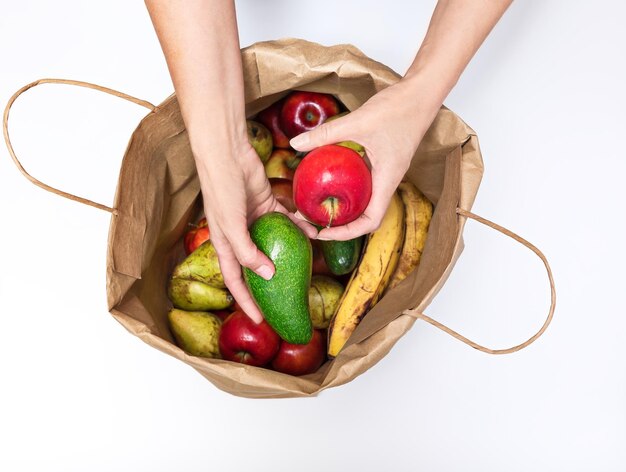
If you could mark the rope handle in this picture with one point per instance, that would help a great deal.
(5, 129)
(451, 332)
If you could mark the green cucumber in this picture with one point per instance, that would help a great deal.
(342, 256)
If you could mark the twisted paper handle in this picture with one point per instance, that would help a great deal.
(5, 129)
(469, 342)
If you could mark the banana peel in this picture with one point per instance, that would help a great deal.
(418, 213)
(379, 260)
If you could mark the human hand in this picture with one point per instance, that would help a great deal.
(236, 192)
(390, 126)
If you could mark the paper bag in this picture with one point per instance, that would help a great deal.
(158, 193)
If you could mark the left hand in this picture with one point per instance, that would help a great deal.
(390, 126)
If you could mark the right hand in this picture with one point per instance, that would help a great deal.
(236, 192)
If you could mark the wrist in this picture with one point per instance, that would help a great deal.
(420, 100)
(212, 142)
(428, 87)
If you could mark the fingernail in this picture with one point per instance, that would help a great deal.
(265, 272)
(258, 320)
(322, 238)
(298, 141)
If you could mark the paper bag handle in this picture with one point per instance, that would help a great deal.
(5, 129)
(451, 332)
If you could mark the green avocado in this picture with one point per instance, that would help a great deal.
(284, 299)
(342, 256)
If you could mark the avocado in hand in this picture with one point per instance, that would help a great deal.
(284, 299)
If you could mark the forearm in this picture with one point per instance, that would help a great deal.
(200, 41)
(456, 31)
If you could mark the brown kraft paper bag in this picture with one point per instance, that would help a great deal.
(158, 193)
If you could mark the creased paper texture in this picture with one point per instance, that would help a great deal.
(158, 193)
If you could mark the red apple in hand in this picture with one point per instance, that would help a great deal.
(303, 111)
(282, 164)
(301, 359)
(332, 186)
(270, 117)
(283, 191)
(242, 340)
(196, 236)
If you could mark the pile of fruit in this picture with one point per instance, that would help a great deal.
(321, 290)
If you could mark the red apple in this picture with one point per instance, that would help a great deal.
(282, 164)
(332, 186)
(222, 314)
(303, 111)
(283, 191)
(244, 341)
(270, 117)
(196, 236)
(301, 359)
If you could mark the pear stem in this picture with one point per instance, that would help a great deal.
(294, 162)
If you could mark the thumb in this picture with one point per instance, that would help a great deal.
(327, 133)
(249, 255)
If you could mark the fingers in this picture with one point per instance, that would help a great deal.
(307, 228)
(327, 133)
(248, 254)
(231, 271)
(362, 225)
(236, 249)
(383, 186)
(368, 222)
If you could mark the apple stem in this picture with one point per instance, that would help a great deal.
(243, 356)
(331, 204)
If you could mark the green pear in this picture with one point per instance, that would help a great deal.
(324, 295)
(196, 332)
(201, 265)
(354, 146)
(198, 296)
(261, 140)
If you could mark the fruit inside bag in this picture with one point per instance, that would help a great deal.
(158, 196)
(307, 320)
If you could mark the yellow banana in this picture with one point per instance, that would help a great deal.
(418, 213)
(378, 262)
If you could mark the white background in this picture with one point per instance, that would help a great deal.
(545, 95)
